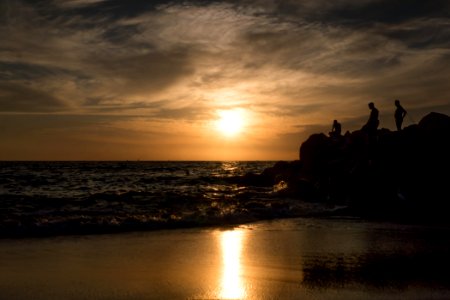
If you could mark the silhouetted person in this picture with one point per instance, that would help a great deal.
(373, 122)
(399, 115)
(336, 129)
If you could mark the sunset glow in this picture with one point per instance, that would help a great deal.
(214, 80)
(230, 122)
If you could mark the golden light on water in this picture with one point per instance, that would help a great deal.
(232, 285)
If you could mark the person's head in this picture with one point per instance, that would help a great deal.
(335, 122)
(371, 105)
(397, 102)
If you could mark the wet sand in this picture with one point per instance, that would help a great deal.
(282, 259)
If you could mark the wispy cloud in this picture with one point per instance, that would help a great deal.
(302, 62)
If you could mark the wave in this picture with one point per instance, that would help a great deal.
(117, 212)
(52, 198)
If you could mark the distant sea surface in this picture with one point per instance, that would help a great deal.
(48, 198)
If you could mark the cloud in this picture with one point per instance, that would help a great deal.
(367, 13)
(290, 63)
(103, 62)
(358, 14)
(19, 98)
(77, 3)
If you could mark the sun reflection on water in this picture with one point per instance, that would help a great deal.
(232, 285)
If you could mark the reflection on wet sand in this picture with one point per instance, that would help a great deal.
(280, 259)
(232, 285)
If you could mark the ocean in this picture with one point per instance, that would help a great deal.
(52, 198)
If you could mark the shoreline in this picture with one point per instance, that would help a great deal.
(218, 224)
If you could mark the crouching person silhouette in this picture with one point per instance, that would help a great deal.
(335, 129)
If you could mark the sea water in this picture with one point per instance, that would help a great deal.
(48, 198)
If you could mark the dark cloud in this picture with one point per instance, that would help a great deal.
(148, 72)
(101, 10)
(352, 13)
(111, 9)
(20, 98)
(27, 72)
(424, 34)
(385, 11)
(94, 64)
(121, 34)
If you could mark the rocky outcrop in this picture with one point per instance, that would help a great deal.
(395, 174)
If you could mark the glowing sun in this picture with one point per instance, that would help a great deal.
(230, 122)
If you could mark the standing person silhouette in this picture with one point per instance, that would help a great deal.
(399, 115)
(373, 122)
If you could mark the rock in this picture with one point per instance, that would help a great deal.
(435, 123)
(400, 172)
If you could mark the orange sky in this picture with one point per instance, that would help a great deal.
(150, 80)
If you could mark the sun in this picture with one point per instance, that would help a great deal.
(230, 122)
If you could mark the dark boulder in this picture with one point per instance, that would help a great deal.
(435, 123)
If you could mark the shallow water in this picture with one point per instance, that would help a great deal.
(301, 258)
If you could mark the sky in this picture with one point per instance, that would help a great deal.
(163, 80)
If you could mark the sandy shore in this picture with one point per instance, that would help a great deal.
(283, 259)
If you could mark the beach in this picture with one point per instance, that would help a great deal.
(300, 258)
(224, 150)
